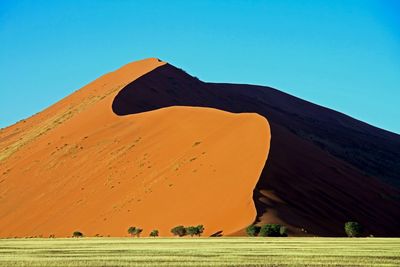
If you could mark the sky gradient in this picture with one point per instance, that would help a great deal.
(344, 55)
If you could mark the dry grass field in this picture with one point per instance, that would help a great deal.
(200, 252)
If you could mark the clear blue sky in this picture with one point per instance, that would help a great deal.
(341, 54)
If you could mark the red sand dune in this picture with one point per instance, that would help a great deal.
(151, 146)
(324, 168)
(79, 166)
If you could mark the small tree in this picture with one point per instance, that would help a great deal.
(138, 231)
(191, 230)
(154, 233)
(195, 230)
(270, 230)
(252, 230)
(132, 230)
(199, 229)
(179, 230)
(77, 234)
(353, 229)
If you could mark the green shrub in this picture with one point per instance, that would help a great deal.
(77, 234)
(138, 231)
(270, 230)
(132, 230)
(191, 230)
(179, 230)
(195, 230)
(252, 230)
(353, 229)
(200, 229)
(154, 233)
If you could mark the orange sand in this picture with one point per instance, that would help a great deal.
(78, 166)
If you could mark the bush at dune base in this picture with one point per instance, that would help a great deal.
(252, 230)
(134, 231)
(77, 234)
(154, 233)
(179, 230)
(272, 230)
(353, 229)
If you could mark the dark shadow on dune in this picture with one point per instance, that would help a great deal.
(326, 167)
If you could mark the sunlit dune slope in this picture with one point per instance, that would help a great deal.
(79, 166)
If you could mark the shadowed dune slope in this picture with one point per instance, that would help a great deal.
(324, 168)
(79, 166)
